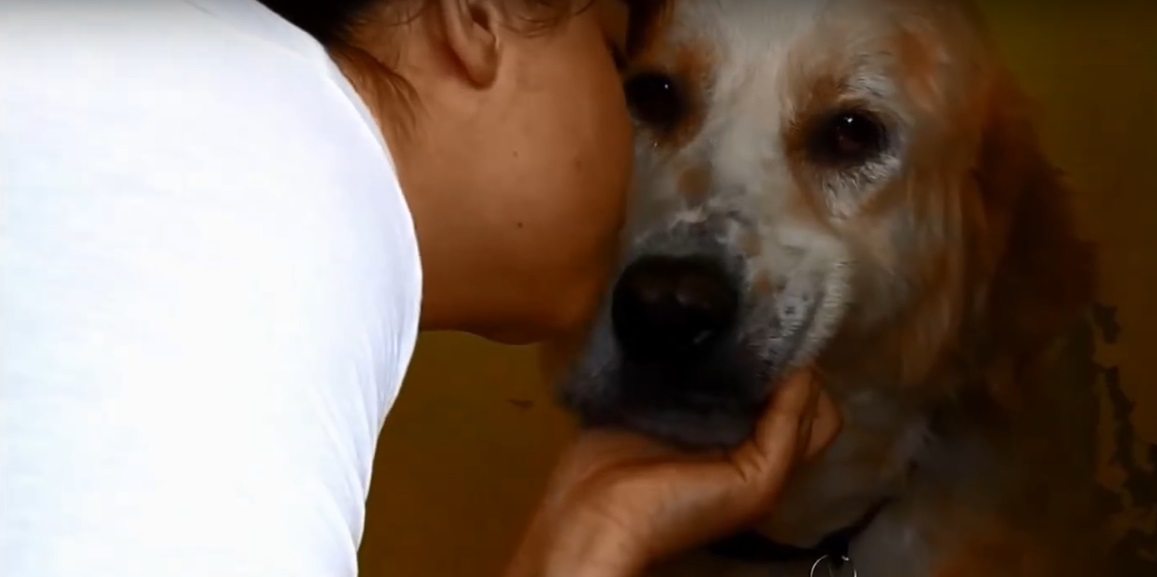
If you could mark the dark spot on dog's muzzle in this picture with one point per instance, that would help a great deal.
(672, 310)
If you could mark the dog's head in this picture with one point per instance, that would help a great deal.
(847, 182)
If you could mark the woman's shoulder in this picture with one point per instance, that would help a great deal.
(209, 139)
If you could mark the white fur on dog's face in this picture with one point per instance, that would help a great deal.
(829, 257)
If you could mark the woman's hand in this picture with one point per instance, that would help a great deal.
(619, 502)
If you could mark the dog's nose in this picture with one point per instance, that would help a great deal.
(670, 308)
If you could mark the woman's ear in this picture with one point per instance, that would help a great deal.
(472, 37)
(1044, 275)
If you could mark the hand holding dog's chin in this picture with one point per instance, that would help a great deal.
(618, 502)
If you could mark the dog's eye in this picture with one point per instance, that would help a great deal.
(848, 137)
(655, 100)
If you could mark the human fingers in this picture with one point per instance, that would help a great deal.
(807, 419)
(823, 426)
(766, 458)
(700, 499)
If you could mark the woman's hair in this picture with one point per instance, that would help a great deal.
(331, 21)
(328, 21)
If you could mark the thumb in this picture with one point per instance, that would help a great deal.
(761, 466)
(736, 491)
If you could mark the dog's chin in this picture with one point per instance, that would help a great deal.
(704, 428)
(700, 404)
(709, 403)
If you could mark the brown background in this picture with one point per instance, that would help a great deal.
(467, 447)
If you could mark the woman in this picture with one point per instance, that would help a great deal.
(221, 239)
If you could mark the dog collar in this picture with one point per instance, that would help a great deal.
(754, 547)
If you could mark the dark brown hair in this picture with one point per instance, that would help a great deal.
(328, 21)
(331, 21)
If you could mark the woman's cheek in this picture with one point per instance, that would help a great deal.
(612, 178)
(590, 224)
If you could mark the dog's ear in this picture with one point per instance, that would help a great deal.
(1043, 275)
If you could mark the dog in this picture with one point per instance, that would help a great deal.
(854, 185)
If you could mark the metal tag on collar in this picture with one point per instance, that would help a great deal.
(835, 567)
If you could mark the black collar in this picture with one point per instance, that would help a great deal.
(754, 547)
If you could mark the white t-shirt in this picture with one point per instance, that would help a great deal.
(209, 293)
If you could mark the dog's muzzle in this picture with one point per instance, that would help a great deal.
(669, 355)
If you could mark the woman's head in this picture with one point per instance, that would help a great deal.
(508, 124)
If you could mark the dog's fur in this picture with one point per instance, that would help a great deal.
(927, 283)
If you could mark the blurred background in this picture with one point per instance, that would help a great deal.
(471, 439)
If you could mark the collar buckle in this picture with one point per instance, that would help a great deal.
(834, 566)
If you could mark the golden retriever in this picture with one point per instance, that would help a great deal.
(854, 185)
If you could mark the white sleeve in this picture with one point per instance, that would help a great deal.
(209, 293)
